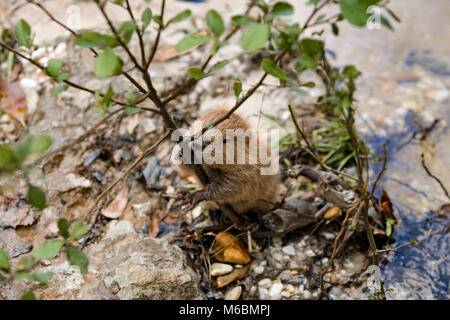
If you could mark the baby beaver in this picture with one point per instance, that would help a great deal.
(237, 177)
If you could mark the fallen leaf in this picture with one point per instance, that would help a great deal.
(153, 228)
(235, 275)
(333, 212)
(170, 53)
(386, 205)
(230, 249)
(13, 100)
(116, 208)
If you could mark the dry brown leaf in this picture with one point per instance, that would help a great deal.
(333, 212)
(153, 228)
(116, 208)
(13, 100)
(235, 275)
(169, 53)
(230, 249)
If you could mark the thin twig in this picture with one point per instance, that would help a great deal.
(433, 176)
(158, 35)
(146, 153)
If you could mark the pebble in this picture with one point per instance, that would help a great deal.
(28, 83)
(328, 235)
(275, 291)
(238, 266)
(148, 125)
(325, 260)
(258, 270)
(233, 293)
(290, 288)
(285, 294)
(220, 269)
(38, 53)
(263, 293)
(310, 253)
(277, 256)
(60, 49)
(289, 250)
(265, 283)
(307, 294)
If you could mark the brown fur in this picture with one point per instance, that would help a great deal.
(239, 185)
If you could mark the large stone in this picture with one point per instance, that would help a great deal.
(123, 265)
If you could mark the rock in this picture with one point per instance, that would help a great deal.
(152, 172)
(148, 125)
(258, 270)
(91, 157)
(310, 253)
(275, 291)
(290, 250)
(123, 265)
(265, 283)
(233, 293)
(277, 256)
(307, 294)
(12, 244)
(15, 211)
(220, 269)
(290, 289)
(263, 293)
(285, 294)
(60, 49)
(236, 274)
(59, 182)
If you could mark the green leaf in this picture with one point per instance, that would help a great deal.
(61, 77)
(241, 20)
(36, 197)
(146, 18)
(132, 110)
(53, 67)
(191, 41)
(25, 264)
(90, 39)
(386, 23)
(158, 20)
(271, 68)
(107, 64)
(196, 73)
(2, 279)
(183, 15)
(307, 62)
(237, 88)
(29, 295)
(8, 159)
(282, 9)
(47, 250)
(255, 37)
(335, 29)
(215, 22)
(130, 97)
(4, 262)
(126, 31)
(218, 65)
(42, 277)
(308, 84)
(350, 72)
(77, 258)
(22, 33)
(312, 47)
(78, 229)
(38, 144)
(355, 11)
(60, 89)
(63, 226)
